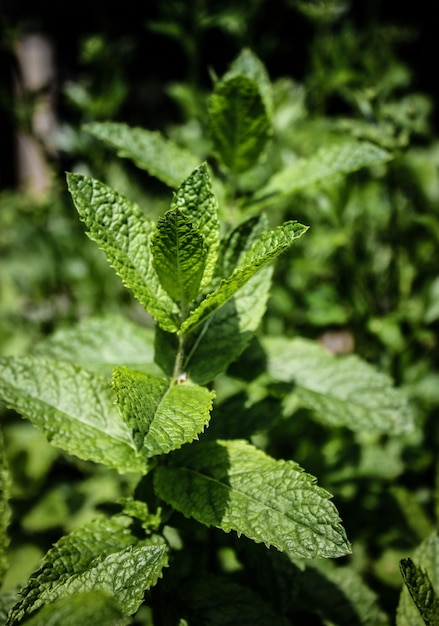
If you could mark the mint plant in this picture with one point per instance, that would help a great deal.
(163, 402)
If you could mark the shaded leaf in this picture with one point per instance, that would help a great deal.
(179, 257)
(422, 574)
(195, 199)
(238, 122)
(73, 407)
(87, 608)
(221, 602)
(269, 245)
(422, 592)
(234, 486)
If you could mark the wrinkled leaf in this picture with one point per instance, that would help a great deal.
(124, 234)
(73, 407)
(421, 590)
(101, 556)
(234, 486)
(238, 121)
(179, 257)
(422, 574)
(162, 416)
(149, 150)
(99, 344)
(343, 391)
(269, 245)
(329, 161)
(87, 608)
(195, 199)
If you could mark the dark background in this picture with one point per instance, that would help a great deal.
(276, 31)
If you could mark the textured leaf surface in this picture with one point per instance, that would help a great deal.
(239, 124)
(330, 161)
(195, 199)
(179, 257)
(216, 600)
(248, 64)
(426, 561)
(99, 344)
(344, 391)
(73, 407)
(229, 330)
(89, 608)
(233, 486)
(149, 150)
(101, 556)
(122, 231)
(162, 416)
(270, 245)
(422, 592)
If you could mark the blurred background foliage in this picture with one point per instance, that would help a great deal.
(365, 280)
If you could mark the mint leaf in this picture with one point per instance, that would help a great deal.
(73, 407)
(123, 232)
(179, 257)
(239, 123)
(149, 150)
(249, 65)
(340, 158)
(234, 486)
(99, 344)
(101, 556)
(87, 608)
(421, 590)
(226, 334)
(269, 245)
(343, 391)
(195, 199)
(163, 416)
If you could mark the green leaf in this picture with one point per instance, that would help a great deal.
(122, 231)
(226, 334)
(179, 257)
(343, 391)
(249, 65)
(89, 608)
(269, 245)
(4, 511)
(73, 407)
(102, 556)
(217, 600)
(101, 343)
(340, 158)
(239, 124)
(149, 150)
(422, 592)
(422, 575)
(163, 416)
(195, 199)
(234, 486)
